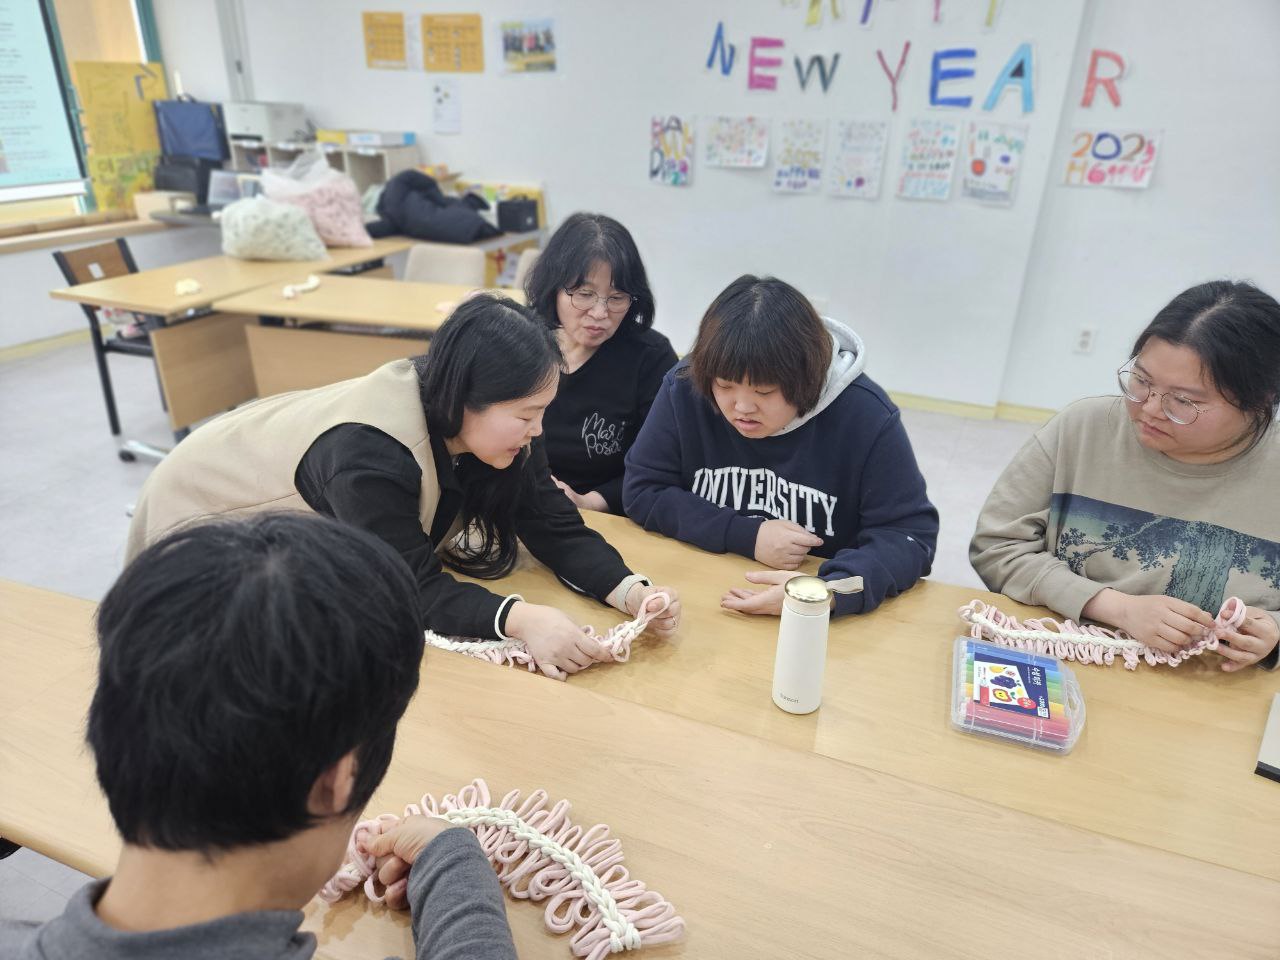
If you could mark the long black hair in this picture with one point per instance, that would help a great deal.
(490, 350)
(582, 241)
(1234, 328)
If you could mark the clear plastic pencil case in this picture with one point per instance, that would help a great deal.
(1025, 697)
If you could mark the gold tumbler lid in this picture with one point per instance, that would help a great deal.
(808, 589)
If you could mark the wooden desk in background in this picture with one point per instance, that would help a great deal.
(296, 358)
(765, 851)
(1166, 758)
(203, 362)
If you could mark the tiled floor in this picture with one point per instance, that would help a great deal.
(63, 495)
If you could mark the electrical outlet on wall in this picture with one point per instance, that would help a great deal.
(1085, 338)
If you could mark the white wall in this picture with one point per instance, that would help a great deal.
(955, 301)
(915, 278)
(1208, 75)
(191, 43)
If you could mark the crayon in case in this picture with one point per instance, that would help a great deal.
(1016, 695)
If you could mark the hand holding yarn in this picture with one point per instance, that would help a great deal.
(783, 544)
(539, 855)
(1088, 643)
(662, 620)
(558, 645)
(395, 851)
(1165, 623)
(1251, 640)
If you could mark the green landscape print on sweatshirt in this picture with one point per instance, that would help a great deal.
(1199, 556)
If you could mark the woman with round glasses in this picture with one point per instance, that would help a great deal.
(1147, 511)
(589, 284)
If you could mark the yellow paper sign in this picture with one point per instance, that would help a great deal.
(453, 43)
(384, 46)
(120, 127)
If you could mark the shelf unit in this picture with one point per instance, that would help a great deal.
(365, 165)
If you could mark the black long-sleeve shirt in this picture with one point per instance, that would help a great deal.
(362, 476)
(600, 407)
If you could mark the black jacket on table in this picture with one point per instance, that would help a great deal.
(600, 407)
(362, 476)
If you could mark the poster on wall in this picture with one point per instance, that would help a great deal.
(670, 150)
(929, 159)
(446, 105)
(528, 46)
(453, 43)
(992, 159)
(856, 159)
(120, 127)
(798, 157)
(737, 142)
(1112, 158)
(384, 41)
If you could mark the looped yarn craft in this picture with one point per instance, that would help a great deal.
(1069, 640)
(539, 854)
(617, 642)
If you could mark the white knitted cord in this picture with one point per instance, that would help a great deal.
(617, 642)
(622, 933)
(1086, 643)
(539, 855)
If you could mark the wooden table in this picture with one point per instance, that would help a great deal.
(765, 851)
(152, 291)
(296, 358)
(369, 302)
(1166, 758)
(203, 361)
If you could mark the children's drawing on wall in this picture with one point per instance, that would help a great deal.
(928, 159)
(856, 159)
(671, 151)
(737, 141)
(992, 158)
(798, 159)
(528, 46)
(1112, 158)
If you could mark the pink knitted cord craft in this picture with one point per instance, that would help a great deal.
(1069, 640)
(617, 642)
(539, 855)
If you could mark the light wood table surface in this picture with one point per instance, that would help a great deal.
(765, 851)
(152, 291)
(1166, 758)
(371, 302)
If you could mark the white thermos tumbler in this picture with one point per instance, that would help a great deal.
(802, 640)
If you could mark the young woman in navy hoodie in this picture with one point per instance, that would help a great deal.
(770, 442)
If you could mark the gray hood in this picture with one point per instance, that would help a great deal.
(848, 357)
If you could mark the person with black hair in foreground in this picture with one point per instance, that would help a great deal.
(418, 452)
(251, 676)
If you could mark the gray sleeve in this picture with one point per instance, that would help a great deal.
(1009, 550)
(456, 902)
(17, 938)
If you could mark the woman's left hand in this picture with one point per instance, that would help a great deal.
(1251, 642)
(760, 602)
(583, 501)
(665, 623)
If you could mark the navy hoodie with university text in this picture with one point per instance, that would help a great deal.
(844, 471)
